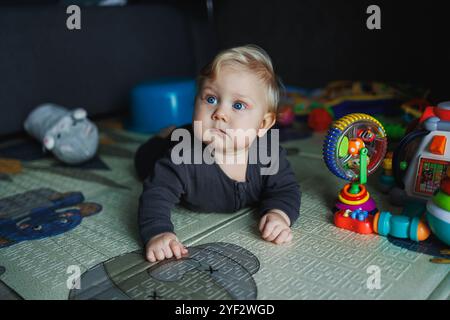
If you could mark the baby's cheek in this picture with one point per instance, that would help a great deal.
(244, 140)
(200, 132)
(201, 113)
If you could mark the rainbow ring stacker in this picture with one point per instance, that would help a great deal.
(354, 148)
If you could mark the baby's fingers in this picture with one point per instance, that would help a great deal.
(268, 229)
(284, 236)
(150, 256)
(159, 254)
(167, 251)
(290, 236)
(176, 248)
(262, 222)
(275, 232)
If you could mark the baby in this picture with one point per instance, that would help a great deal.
(235, 106)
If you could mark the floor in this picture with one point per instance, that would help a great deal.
(231, 261)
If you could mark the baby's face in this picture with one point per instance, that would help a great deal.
(231, 109)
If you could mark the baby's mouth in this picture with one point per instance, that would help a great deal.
(218, 131)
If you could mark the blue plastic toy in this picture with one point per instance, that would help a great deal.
(400, 226)
(159, 104)
(359, 214)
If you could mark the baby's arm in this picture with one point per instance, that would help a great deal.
(161, 192)
(280, 203)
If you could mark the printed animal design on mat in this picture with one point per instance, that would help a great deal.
(41, 213)
(6, 293)
(210, 271)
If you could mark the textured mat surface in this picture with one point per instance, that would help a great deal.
(322, 262)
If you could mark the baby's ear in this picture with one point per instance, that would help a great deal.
(267, 123)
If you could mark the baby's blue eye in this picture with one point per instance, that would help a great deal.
(211, 100)
(238, 106)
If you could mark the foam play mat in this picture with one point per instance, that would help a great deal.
(83, 220)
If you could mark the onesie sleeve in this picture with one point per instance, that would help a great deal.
(161, 192)
(281, 190)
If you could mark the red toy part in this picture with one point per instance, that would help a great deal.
(445, 186)
(431, 111)
(355, 225)
(442, 114)
(319, 119)
(366, 135)
(285, 116)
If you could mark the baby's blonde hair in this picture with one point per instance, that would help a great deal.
(252, 58)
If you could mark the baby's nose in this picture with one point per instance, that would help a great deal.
(219, 115)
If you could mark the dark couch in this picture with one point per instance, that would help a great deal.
(95, 67)
(310, 42)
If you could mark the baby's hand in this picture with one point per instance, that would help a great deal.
(274, 227)
(164, 245)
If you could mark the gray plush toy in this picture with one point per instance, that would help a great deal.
(69, 135)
